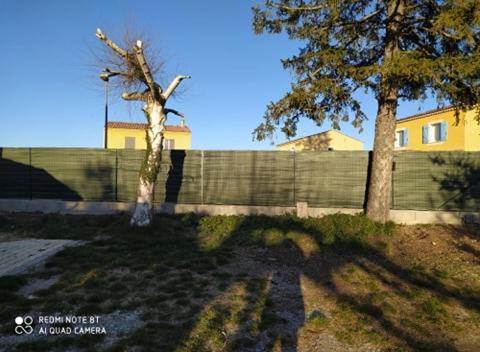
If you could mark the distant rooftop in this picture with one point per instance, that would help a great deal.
(142, 126)
(318, 134)
(427, 113)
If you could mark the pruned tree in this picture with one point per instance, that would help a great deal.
(395, 49)
(134, 71)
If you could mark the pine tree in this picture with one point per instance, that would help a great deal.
(394, 49)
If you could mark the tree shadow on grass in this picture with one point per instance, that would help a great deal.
(403, 284)
(274, 330)
(238, 284)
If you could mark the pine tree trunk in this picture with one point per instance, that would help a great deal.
(142, 216)
(380, 184)
(379, 188)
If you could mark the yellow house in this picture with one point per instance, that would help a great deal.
(128, 135)
(328, 140)
(438, 129)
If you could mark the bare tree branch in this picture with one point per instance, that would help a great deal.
(175, 112)
(155, 89)
(134, 73)
(100, 35)
(134, 96)
(173, 85)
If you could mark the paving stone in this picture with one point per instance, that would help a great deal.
(18, 256)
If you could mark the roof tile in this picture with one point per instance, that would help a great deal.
(426, 113)
(142, 126)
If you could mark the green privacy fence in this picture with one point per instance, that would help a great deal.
(442, 180)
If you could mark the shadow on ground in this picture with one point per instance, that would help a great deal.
(256, 284)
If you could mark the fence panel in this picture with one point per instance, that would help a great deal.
(128, 167)
(437, 181)
(179, 179)
(249, 178)
(422, 181)
(15, 173)
(73, 173)
(331, 178)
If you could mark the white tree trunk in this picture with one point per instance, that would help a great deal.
(142, 216)
(135, 67)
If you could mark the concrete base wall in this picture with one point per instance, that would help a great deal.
(302, 209)
(409, 217)
(64, 207)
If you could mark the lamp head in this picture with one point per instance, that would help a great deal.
(106, 74)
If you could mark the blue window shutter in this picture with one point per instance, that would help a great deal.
(443, 131)
(425, 134)
(405, 137)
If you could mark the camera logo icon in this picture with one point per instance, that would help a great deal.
(24, 325)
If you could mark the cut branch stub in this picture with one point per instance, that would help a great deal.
(173, 85)
(154, 87)
(100, 35)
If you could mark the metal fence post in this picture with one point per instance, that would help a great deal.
(392, 184)
(30, 185)
(116, 175)
(294, 177)
(201, 178)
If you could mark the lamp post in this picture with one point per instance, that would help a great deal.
(105, 76)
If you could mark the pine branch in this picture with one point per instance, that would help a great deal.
(300, 8)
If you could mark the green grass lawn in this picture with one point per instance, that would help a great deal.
(236, 283)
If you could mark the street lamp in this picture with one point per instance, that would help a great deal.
(105, 76)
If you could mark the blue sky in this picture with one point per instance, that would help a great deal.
(50, 94)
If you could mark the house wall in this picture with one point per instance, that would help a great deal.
(116, 138)
(472, 131)
(330, 139)
(339, 141)
(307, 143)
(455, 132)
(298, 145)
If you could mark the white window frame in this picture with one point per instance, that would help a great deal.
(434, 132)
(167, 143)
(397, 145)
(431, 132)
(131, 139)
